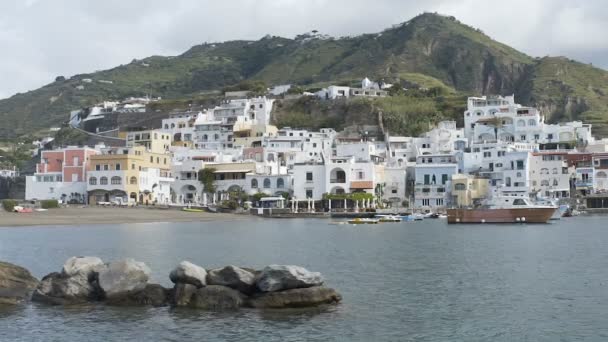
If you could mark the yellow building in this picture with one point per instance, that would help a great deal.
(251, 135)
(154, 141)
(467, 189)
(129, 175)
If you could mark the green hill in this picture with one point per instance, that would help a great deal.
(429, 50)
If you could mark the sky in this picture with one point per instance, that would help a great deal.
(42, 39)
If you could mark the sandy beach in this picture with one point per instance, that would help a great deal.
(107, 215)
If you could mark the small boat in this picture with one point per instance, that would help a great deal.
(193, 210)
(359, 220)
(417, 217)
(388, 218)
(431, 215)
(25, 210)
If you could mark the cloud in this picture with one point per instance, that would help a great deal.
(44, 39)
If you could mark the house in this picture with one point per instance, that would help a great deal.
(550, 174)
(432, 179)
(61, 175)
(468, 190)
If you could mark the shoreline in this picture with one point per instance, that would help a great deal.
(108, 215)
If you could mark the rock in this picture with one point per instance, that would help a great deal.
(152, 294)
(188, 273)
(217, 297)
(120, 278)
(295, 298)
(59, 289)
(16, 283)
(233, 277)
(285, 277)
(82, 265)
(182, 294)
(77, 283)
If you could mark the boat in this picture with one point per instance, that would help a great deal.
(363, 221)
(193, 210)
(417, 217)
(503, 209)
(388, 218)
(431, 215)
(561, 209)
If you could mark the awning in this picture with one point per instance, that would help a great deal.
(362, 185)
(233, 171)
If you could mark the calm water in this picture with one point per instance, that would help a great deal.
(418, 281)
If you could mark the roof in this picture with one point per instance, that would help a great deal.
(233, 171)
(362, 185)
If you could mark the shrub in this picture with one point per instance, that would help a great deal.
(231, 204)
(9, 204)
(49, 204)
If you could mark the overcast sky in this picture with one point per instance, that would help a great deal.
(41, 39)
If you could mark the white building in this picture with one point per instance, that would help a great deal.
(550, 175)
(433, 174)
(500, 118)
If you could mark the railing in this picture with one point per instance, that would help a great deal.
(337, 180)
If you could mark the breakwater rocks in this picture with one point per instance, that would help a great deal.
(125, 283)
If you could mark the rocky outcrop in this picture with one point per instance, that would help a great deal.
(122, 278)
(286, 277)
(188, 273)
(16, 283)
(233, 277)
(295, 298)
(152, 294)
(217, 298)
(77, 283)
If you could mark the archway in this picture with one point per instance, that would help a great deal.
(337, 175)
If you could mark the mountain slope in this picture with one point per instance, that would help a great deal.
(429, 50)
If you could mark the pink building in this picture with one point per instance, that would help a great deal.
(61, 175)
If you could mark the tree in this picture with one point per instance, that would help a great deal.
(59, 78)
(207, 177)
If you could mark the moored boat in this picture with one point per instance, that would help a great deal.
(504, 209)
(388, 218)
(363, 221)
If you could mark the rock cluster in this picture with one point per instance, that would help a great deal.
(125, 283)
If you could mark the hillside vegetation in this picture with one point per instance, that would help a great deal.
(428, 51)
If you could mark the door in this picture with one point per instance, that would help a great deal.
(491, 166)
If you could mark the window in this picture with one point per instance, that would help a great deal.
(360, 175)
(549, 136)
(92, 181)
(523, 137)
(427, 179)
(440, 190)
(555, 171)
(444, 178)
(115, 180)
(531, 122)
(97, 167)
(76, 161)
(439, 201)
(508, 181)
(460, 186)
(426, 202)
(309, 193)
(117, 167)
(519, 174)
(555, 182)
(133, 180)
(520, 164)
(308, 176)
(501, 153)
(519, 201)
(106, 167)
(132, 166)
(266, 183)
(426, 190)
(103, 181)
(151, 159)
(280, 183)
(544, 182)
(487, 154)
(536, 136)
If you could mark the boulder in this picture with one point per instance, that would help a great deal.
(77, 283)
(152, 294)
(217, 298)
(182, 294)
(120, 278)
(188, 273)
(59, 289)
(16, 283)
(233, 277)
(295, 298)
(82, 265)
(286, 277)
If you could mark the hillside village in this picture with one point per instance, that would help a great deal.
(230, 156)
